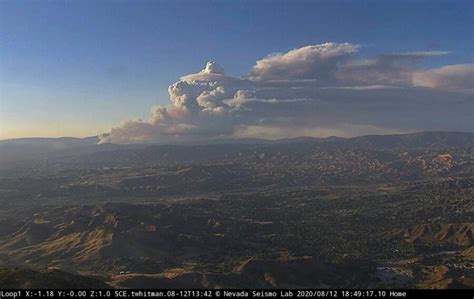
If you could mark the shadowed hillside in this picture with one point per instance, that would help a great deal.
(17, 278)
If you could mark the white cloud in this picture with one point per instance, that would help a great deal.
(459, 76)
(318, 62)
(315, 90)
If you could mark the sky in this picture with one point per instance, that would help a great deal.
(347, 68)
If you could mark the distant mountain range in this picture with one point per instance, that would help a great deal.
(12, 150)
(407, 153)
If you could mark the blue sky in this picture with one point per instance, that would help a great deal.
(78, 67)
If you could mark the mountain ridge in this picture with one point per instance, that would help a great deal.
(95, 139)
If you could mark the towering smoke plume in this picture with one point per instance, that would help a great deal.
(316, 90)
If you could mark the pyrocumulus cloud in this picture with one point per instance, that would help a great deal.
(316, 90)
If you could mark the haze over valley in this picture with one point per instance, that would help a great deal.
(237, 144)
(371, 211)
